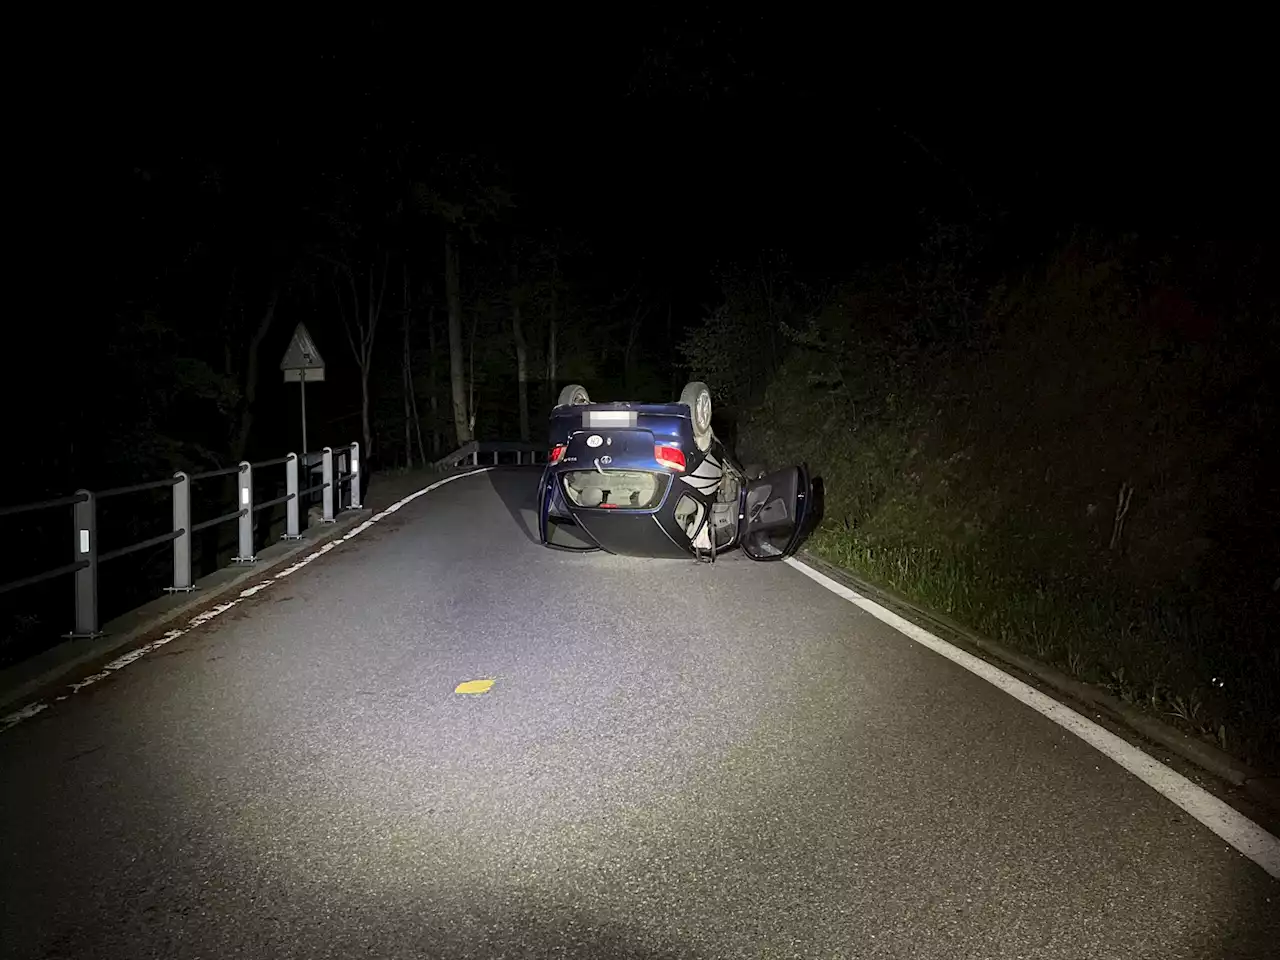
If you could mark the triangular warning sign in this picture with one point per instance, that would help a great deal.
(302, 353)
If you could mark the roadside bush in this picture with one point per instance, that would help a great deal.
(1071, 462)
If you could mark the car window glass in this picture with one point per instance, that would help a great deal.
(623, 489)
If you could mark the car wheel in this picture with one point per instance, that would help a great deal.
(574, 393)
(697, 397)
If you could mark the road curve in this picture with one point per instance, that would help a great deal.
(674, 761)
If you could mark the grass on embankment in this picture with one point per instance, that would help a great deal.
(993, 489)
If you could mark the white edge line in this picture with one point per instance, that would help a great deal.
(11, 720)
(1235, 828)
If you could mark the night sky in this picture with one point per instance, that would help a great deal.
(693, 140)
(665, 146)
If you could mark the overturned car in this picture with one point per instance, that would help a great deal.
(653, 480)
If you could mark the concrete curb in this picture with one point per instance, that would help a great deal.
(22, 681)
(1263, 789)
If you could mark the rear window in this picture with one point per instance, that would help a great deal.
(624, 489)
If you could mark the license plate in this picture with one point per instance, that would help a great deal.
(604, 419)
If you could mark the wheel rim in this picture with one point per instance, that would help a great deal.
(702, 412)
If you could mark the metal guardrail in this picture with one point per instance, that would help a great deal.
(470, 452)
(339, 470)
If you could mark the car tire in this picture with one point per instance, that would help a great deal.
(697, 397)
(574, 393)
(753, 471)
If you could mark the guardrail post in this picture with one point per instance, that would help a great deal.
(475, 457)
(85, 521)
(291, 487)
(342, 501)
(495, 458)
(328, 485)
(182, 542)
(356, 500)
(245, 523)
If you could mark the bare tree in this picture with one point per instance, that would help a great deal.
(453, 304)
(547, 254)
(471, 374)
(410, 392)
(360, 318)
(461, 192)
(406, 379)
(431, 381)
(251, 374)
(553, 322)
(628, 354)
(522, 352)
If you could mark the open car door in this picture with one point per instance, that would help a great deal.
(774, 512)
(555, 528)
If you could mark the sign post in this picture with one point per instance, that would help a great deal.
(302, 389)
(302, 362)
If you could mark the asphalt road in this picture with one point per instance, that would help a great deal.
(675, 761)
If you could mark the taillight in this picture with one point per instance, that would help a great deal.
(556, 453)
(672, 457)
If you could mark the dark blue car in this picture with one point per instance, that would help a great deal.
(653, 480)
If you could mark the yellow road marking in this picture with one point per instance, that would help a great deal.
(473, 686)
